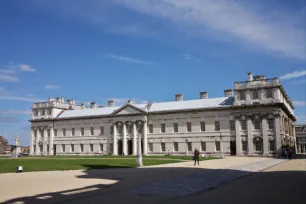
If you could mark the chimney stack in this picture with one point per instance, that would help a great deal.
(111, 103)
(93, 105)
(82, 106)
(228, 93)
(203, 95)
(51, 99)
(71, 102)
(179, 97)
(130, 101)
(58, 99)
(250, 76)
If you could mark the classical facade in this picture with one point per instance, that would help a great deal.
(300, 131)
(258, 119)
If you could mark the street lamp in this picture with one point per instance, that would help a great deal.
(221, 145)
(139, 155)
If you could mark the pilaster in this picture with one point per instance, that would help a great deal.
(265, 135)
(250, 135)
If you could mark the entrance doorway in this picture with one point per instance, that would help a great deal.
(130, 147)
(54, 149)
(120, 147)
(233, 147)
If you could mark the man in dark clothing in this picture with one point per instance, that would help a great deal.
(196, 156)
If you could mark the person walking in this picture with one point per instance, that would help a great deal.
(196, 156)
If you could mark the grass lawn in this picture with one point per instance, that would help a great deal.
(73, 162)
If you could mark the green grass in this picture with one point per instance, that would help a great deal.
(43, 164)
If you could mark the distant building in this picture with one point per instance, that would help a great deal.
(300, 131)
(4, 146)
(257, 120)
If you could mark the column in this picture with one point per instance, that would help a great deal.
(115, 146)
(277, 134)
(265, 136)
(134, 139)
(45, 141)
(145, 138)
(238, 136)
(51, 141)
(124, 143)
(32, 141)
(250, 136)
(37, 141)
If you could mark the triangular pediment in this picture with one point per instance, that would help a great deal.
(128, 110)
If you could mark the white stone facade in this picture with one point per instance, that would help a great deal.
(257, 120)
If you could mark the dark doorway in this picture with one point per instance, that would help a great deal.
(130, 147)
(54, 149)
(119, 147)
(141, 147)
(233, 147)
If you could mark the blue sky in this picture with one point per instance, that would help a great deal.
(143, 50)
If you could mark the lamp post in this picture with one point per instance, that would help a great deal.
(139, 155)
(221, 145)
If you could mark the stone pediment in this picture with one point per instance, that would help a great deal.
(128, 110)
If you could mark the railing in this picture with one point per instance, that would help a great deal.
(247, 84)
(51, 105)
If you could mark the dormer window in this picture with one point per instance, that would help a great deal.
(242, 95)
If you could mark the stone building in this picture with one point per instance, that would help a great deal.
(4, 145)
(300, 131)
(256, 120)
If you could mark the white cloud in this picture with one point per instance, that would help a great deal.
(277, 31)
(26, 68)
(52, 87)
(300, 119)
(19, 98)
(190, 57)
(1, 89)
(293, 75)
(299, 103)
(8, 78)
(128, 59)
(16, 112)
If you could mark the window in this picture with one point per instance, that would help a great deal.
(245, 146)
(120, 130)
(189, 127)
(63, 147)
(271, 145)
(176, 147)
(255, 95)
(243, 124)
(50, 111)
(35, 112)
(217, 143)
(203, 128)
(91, 147)
(258, 144)
(163, 128)
(257, 124)
(72, 148)
(271, 124)
(82, 147)
(150, 128)
(82, 131)
(175, 127)
(48, 132)
(43, 112)
(55, 132)
(140, 129)
(232, 125)
(189, 146)
(269, 93)
(72, 131)
(151, 147)
(217, 125)
(91, 131)
(111, 147)
(163, 147)
(101, 130)
(203, 146)
(111, 130)
(242, 95)
(130, 129)
(64, 132)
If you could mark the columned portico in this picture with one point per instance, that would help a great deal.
(37, 141)
(44, 141)
(32, 141)
(250, 136)
(115, 147)
(278, 144)
(145, 138)
(51, 141)
(265, 135)
(238, 136)
(124, 140)
(134, 139)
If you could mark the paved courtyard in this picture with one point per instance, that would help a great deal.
(179, 182)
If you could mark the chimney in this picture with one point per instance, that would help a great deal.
(228, 93)
(58, 99)
(203, 95)
(250, 76)
(51, 99)
(179, 97)
(130, 101)
(93, 105)
(70, 102)
(111, 103)
(82, 106)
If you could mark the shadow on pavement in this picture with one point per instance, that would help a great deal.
(182, 185)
